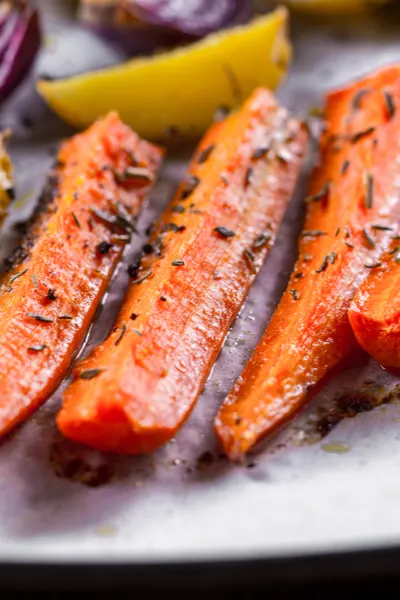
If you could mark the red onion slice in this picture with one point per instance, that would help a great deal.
(19, 43)
(195, 18)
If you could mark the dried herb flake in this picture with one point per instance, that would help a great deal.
(358, 96)
(121, 335)
(260, 152)
(369, 239)
(205, 154)
(248, 176)
(16, 276)
(113, 220)
(90, 373)
(369, 190)
(390, 104)
(40, 318)
(319, 196)
(262, 239)
(142, 277)
(224, 231)
(178, 208)
(134, 174)
(313, 233)
(103, 247)
(295, 294)
(361, 134)
(190, 185)
(51, 295)
(37, 347)
(249, 255)
(381, 227)
(345, 167)
(78, 223)
(329, 258)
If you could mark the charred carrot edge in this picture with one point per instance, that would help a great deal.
(348, 208)
(59, 274)
(135, 390)
(374, 313)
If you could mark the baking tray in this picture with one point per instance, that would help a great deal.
(311, 501)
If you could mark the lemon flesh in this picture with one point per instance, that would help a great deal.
(180, 89)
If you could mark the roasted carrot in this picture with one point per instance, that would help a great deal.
(61, 271)
(375, 310)
(351, 198)
(189, 285)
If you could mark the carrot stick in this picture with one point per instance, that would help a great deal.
(191, 282)
(62, 270)
(374, 313)
(353, 188)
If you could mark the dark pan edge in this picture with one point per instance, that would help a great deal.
(207, 575)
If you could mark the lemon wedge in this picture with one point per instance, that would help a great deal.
(181, 89)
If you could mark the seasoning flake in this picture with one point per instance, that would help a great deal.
(319, 196)
(369, 239)
(16, 276)
(205, 154)
(390, 104)
(224, 231)
(37, 347)
(261, 239)
(78, 223)
(90, 373)
(121, 335)
(40, 318)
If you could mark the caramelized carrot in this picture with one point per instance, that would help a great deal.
(61, 271)
(375, 311)
(353, 189)
(189, 285)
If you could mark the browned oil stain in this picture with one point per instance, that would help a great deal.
(67, 463)
(349, 405)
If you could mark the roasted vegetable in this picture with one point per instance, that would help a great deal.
(143, 26)
(179, 90)
(349, 205)
(135, 390)
(61, 272)
(19, 43)
(334, 7)
(195, 18)
(375, 311)
(110, 21)
(6, 182)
